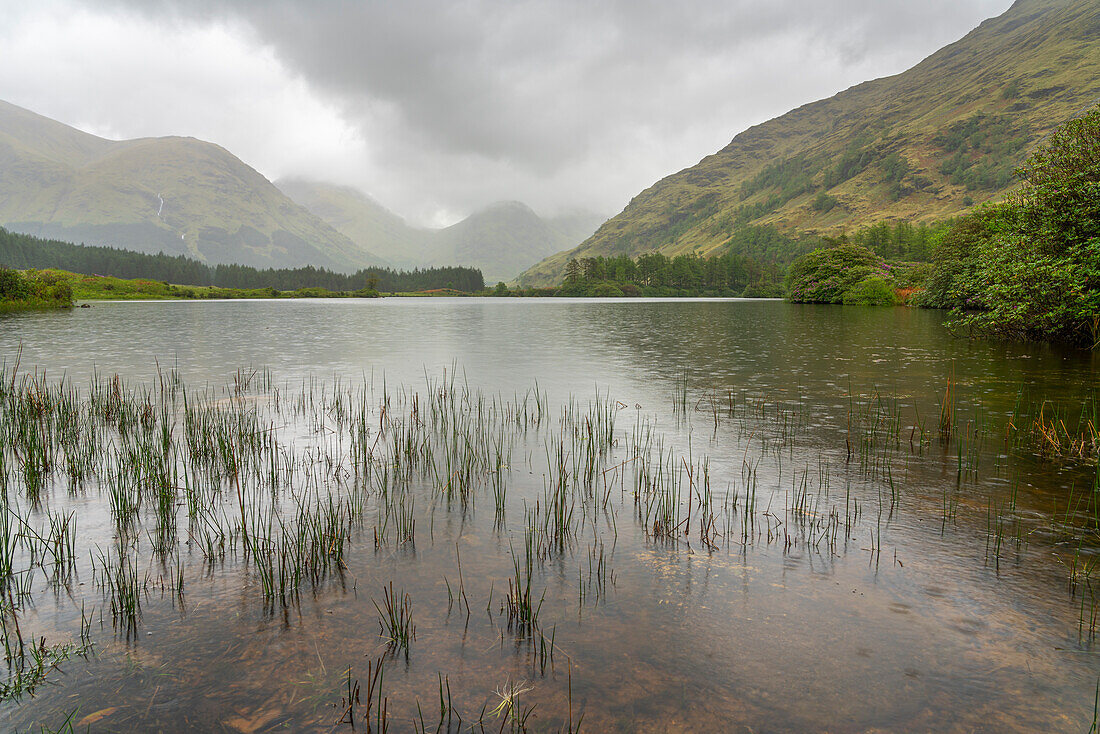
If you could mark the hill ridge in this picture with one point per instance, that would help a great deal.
(886, 149)
(174, 194)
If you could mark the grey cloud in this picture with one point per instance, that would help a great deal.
(527, 91)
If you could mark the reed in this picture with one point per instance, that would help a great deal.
(285, 484)
(395, 620)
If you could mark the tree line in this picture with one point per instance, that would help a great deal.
(657, 274)
(26, 251)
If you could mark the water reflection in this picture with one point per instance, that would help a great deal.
(924, 634)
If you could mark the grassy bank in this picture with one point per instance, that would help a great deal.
(107, 288)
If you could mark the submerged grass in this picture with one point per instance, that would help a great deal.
(288, 481)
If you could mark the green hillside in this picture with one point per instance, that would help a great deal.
(923, 145)
(177, 195)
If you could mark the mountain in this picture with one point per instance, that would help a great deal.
(178, 195)
(923, 145)
(363, 220)
(502, 239)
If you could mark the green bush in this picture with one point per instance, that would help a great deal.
(312, 293)
(912, 275)
(34, 288)
(763, 289)
(951, 283)
(572, 290)
(361, 293)
(823, 203)
(1030, 266)
(826, 275)
(13, 286)
(607, 290)
(871, 291)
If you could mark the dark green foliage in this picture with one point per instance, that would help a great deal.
(951, 283)
(749, 212)
(899, 241)
(659, 275)
(791, 177)
(1011, 90)
(572, 271)
(1031, 264)
(986, 174)
(13, 286)
(764, 289)
(607, 290)
(24, 251)
(467, 280)
(871, 291)
(829, 275)
(33, 289)
(911, 275)
(894, 167)
(850, 164)
(824, 203)
(984, 149)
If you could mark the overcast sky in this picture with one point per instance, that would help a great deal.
(438, 107)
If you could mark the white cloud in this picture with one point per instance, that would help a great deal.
(125, 75)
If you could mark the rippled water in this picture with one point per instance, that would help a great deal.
(916, 618)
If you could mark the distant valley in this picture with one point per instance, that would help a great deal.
(501, 239)
(184, 196)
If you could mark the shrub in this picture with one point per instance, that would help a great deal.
(912, 275)
(871, 291)
(1032, 263)
(607, 290)
(763, 289)
(35, 288)
(955, 259)
(823, 203)
(572, 290)
(825, 275)
(361, 293)
(13, 286)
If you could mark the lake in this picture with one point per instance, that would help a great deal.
(543, 515)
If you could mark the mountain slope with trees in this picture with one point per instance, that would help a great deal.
(923, 145)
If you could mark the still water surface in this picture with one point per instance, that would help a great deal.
(906, 621)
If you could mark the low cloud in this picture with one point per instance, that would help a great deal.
(439, 107)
